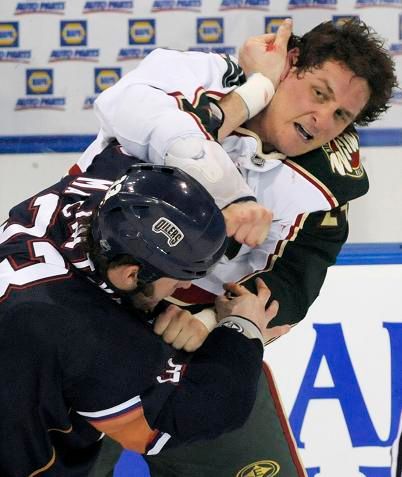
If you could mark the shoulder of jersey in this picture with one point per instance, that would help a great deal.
(338, 165)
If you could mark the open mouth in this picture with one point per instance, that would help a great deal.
(303, 133)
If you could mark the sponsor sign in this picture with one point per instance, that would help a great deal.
(330, 4)
(244, 4)
(107, 7)
(168, 5)
(210, 30)
(40, 7)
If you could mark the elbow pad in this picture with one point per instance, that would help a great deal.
(211, 166)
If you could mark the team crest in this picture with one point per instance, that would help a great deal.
(343, 155)
(262, 468)
(169, 229)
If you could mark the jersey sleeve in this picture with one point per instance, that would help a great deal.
(116, 365)
(165, 98)
(296, 270)
(166, 112)
(215, 393)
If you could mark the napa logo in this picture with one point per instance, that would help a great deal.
(73, 33)
(330, 4)
(378, 3)
(116, 6)
(9, 34)
(210, 30)
(273, 23)
(339, 20)
(141, 32)
(39, 81)
(169, 5)
(103, 79)
(106, 77)
(244, 4)
(39, 86)
(40, 7)
(9, 37)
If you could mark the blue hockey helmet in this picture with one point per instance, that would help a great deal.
(164, 219)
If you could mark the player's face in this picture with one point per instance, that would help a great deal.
(156, 291)
(309, 110)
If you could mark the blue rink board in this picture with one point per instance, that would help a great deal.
(133, 465)
(370, 137)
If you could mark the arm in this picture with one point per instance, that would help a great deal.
(170, 122)
(211, 394)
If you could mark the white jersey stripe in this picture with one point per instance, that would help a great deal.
(159, 444)
(112, 411)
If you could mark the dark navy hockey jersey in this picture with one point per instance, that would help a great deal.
(72, 353)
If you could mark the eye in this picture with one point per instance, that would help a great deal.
(318, 93)
(339, 114)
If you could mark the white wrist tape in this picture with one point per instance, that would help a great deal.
(256, 93)
(207, 318)
(242, 325)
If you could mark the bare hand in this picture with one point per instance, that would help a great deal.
(251, 306)
(267, 54)
(247, 222)
(180, 329)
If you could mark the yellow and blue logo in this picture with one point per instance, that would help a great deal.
(273, 23)
(141, 32)
(339, 20)
(106, 77)
(39, 81)
(312, 4)
(9, 34)
(73, 33)
(210, 30)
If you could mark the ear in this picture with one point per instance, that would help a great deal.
(123, 277)
(291, 60)
(131, 272)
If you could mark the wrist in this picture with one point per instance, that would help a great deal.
(242, 325)
(207, 318)
(256, 93)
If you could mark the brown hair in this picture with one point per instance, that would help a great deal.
(357, 46)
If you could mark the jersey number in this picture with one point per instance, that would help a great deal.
(51, 262)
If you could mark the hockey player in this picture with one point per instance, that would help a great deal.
(77, 359)
(298, 158)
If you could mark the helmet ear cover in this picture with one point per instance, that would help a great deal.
(164, 219)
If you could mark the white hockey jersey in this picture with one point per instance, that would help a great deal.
(167, 97)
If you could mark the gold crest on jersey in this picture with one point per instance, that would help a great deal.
(343, 155)
(262, 468)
